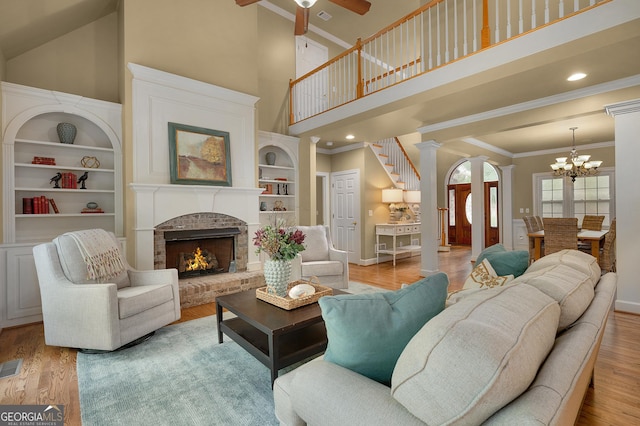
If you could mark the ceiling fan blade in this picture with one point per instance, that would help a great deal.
(246, 2)
(302, 21)
(358, 6)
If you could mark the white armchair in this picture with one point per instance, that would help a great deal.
(321, 259)
(82, 313)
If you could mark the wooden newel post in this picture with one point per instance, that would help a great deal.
(443, 236)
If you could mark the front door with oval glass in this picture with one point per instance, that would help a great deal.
(459, 202)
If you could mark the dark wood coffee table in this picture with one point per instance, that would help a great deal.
(275, 336)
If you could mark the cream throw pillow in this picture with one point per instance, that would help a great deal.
(484, 276)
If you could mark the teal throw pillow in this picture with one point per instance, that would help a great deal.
(496, 248)
(509, 262)
(367, 332)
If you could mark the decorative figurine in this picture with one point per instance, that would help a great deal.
(56, 180)
(82, 179)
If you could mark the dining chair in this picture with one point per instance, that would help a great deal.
(532, 225)
(592, 223)
(539, 222)
(608, 250)
(560, 233)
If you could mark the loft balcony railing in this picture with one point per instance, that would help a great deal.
(434, 35)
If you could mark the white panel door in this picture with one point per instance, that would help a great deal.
(311, 96)
(345, 226)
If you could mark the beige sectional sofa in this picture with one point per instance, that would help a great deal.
(519, 354)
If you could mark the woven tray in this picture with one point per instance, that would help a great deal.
(287, 302)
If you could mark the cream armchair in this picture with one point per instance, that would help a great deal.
(86, 314)
(320, 259)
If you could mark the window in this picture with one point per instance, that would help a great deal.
(462, 173)
(493, 207)
(559, 197)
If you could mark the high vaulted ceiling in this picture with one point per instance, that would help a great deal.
(26, 24)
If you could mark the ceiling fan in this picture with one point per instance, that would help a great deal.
(302, 11)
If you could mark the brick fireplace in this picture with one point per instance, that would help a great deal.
(207, 228)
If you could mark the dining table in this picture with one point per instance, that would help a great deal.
(586, 235)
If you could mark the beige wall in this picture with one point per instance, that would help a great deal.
(3, 66)
(82, 62)
(525, 167)
(276, 57)
(323, 163)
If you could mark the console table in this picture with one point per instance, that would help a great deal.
(394, 230)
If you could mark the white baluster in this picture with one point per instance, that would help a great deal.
(520, 18)
(497, 24)
(546, 11)
(475, 26)
(446, 32)
(455, 29)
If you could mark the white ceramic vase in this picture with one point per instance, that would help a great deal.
(276, 275)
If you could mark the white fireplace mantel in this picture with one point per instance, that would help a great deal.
(160, 98)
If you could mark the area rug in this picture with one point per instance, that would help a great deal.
(179, 376)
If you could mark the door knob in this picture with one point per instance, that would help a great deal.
(355, 223)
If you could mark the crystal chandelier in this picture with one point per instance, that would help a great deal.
(579, 166)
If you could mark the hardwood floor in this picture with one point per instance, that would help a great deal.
(48, 374)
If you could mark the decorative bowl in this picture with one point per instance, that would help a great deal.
(301, 290)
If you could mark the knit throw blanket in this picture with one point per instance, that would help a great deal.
(100, 253)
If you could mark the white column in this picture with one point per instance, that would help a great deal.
(429, 207)
(627, 129)
(506, 207)
(477, 205)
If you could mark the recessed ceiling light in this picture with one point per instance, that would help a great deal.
(329, 143)
(349, 137)
(577, 76)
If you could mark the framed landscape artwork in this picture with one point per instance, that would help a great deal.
(199, 156)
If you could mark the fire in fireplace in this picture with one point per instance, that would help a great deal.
(200, 251)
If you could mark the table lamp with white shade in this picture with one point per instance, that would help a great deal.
(393, 196)
(413, 198)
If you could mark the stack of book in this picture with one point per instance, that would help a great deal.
(38, 205)
(96, 210)
(49, 161)
(69, 180)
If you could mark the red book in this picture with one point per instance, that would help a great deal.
(36, 205)
(45, 204)
(27, 206)
(53, 206)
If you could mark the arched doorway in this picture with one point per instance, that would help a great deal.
(459, 202)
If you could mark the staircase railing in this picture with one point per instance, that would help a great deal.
(402, 165)
(437, 33)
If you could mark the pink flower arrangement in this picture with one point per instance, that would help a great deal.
(279, 243)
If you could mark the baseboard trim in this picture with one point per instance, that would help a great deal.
(629, 307)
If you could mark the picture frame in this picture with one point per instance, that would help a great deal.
(199, 156)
